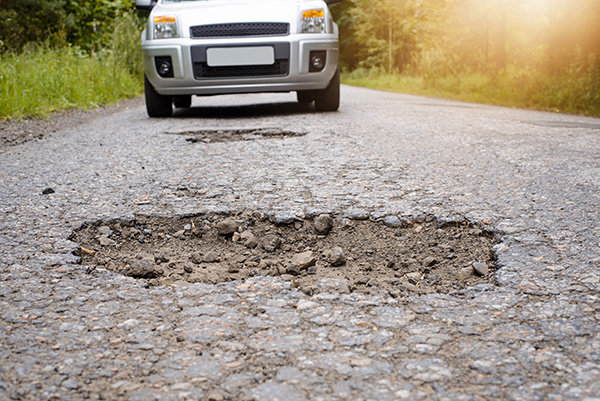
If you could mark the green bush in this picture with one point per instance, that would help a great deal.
(41, 79)
(575, 93)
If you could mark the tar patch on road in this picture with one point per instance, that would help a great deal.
(323, 253)
(236, 135)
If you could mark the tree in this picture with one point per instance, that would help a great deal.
(84, 23)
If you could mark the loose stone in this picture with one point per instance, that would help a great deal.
(335, 256)
(304, 260)
(481, 268)
(323, 224)
(105, 241)
(392, 221)
(248, 239)
(270, 243)
(142, 269)
(105, 231)
(227, 227)
(429, 261)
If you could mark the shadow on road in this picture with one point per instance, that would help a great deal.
(240, 111)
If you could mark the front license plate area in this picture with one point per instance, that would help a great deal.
(236, 56)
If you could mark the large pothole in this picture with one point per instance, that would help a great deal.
(398, 257)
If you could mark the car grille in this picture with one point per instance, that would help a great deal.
(203, 70)
(240, 29)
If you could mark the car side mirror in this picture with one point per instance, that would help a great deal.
(145, 4)
(330, 2)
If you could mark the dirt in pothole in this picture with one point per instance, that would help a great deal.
(236, 135)
(314, 254)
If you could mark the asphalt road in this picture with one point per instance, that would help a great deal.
(533, 178)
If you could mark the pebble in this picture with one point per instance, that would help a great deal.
(227, 227)
(481, 269)
(105, 241)
(248, 239)
(392, 221)
(335, 256)
(105, 231)
(323, 224)
(304, 259)
(429, 261)
(142, 269)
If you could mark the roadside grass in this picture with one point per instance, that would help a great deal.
(573, 93)
(43, 79)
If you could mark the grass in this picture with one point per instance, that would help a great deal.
(574, 94)
(43, 80)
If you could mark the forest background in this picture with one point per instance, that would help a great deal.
(541, 54)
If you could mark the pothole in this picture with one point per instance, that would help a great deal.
(236, 135)
(398, 257)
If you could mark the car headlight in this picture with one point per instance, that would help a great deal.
(165, 27)
(313, 21)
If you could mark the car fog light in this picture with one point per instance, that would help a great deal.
(164, 67)
(317, 61)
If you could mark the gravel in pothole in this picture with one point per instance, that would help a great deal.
(399, 257)
(236, 135)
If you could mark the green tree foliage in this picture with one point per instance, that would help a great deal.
(440, 37)
(87, 24)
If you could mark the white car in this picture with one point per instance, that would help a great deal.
(215, 47)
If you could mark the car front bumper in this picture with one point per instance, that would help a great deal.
(190, 76)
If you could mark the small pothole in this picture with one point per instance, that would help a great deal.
(399, 257)
(236, 135)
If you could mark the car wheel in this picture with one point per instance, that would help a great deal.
(328, 99)
(305, 96)
(157, 105)
(182, 102)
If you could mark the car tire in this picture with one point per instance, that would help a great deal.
(157, 105)
(305, 96)
(182, 102)
(328, 99)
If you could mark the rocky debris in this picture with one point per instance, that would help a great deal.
(234, 135)
(270, 242)
(392, 221)
(198, 258)
(335, 256)
(105, 231)
(142, 269)
(210, 257)
(323, 224)
(414, 277)
(48, 191)
(304, 260)
(227, 227)
(429, 261)
(105, 241)
(481, 269)
(367, 253)
(248, 239)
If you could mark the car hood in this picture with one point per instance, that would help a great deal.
(190, 13)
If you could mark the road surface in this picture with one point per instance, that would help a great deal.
(69, 332)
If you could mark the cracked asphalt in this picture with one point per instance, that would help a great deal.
(71, 333)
